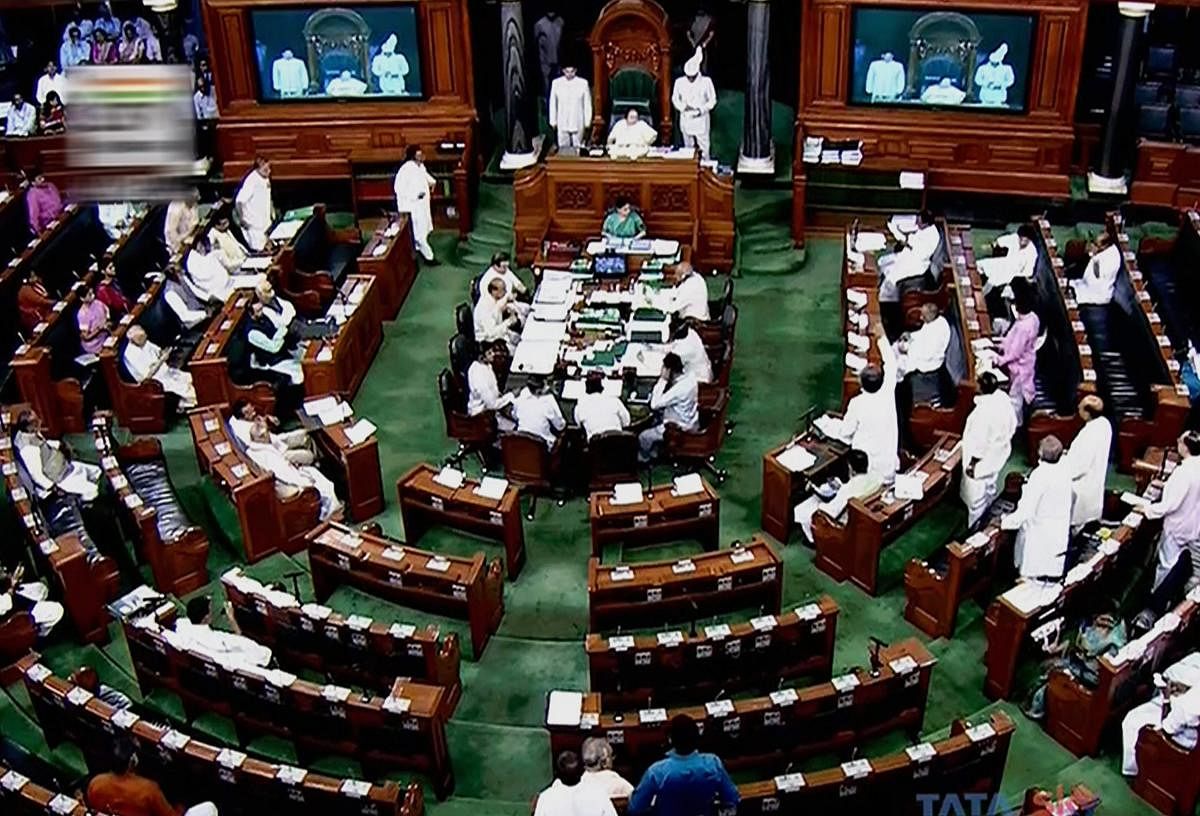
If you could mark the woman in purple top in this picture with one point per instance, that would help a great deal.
(43, 202)
(1018, 349)
(93, 321)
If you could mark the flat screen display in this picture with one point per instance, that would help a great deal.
(342, 52)
(941, 59)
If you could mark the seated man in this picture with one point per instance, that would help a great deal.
(911, 258)
(686, 342)
(44, 203)
(21, 119)
(1176, 688)
(624, 222)
(832, 499)
(923, 353)
(495, 318)
(205, 274)
(688, 298)
(1102, 636)
(281, 310)
(228, 248)
(124, 792)
(296, 445)
(597, 412)
(49, 463)
(1095, 285)
(194, 633)
(183, 216)
(501, 268)
(86, 678)
(144, 360)
(30, 597)
(536, 411)
(675, 396)
(187, 307)
(34, 301)
(270, 347)
(483, 391)
(290, 479)
(631, 138)
(1019, 260)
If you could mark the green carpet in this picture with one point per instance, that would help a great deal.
(789, 354)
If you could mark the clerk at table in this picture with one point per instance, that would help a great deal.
(597, 412)
(623, 222)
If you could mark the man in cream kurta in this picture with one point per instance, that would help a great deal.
(630, 138)
(994, 78)
(1179, 682)
(885, 78)
(1087, 461)
(390, 68)
(1020, 262)
(987, 444)
(1095, 286)
(694, 97)
(1042, 518)
(145, 361)
(289, 76)
(570, 108)
(253, 203)
(871, 423)
(414, 189)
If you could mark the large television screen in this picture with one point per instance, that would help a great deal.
(941, 59)
(342, 52)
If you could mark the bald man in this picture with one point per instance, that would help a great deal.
(1087, 462)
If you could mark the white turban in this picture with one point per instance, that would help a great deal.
(389, 45)
(1186, 672)
(692, 66)
(1000, 53)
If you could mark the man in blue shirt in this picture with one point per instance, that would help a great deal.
(685, 783)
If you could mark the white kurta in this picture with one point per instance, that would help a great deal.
(691, 351)
(225, 648)
(228, 249)
(1179, 509)
(1099, 277)
(391, 69)
(270, 457)
(47, 83)
(600, 413)
(910, 262)
(208, 277)
(1020, 262)
(859, 486)
(492, 323)
(943, 95)
(1042, 519)
(483, 392)
(926, 348)
(21, 121)
(284, 316)
(631, 140)
(81, 478)
(987, 441)
(885, 80)
(346, 86)
(695, 99)
(993, 81)
(871, 423)
(1184, 673)
(570, 105)
(140, 360)
(1087, 461)
(289, 76)
(412, 189)
(539, 415)
(254, 207)
(689, 298)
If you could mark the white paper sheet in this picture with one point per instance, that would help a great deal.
(627, 493)
(797, 458)
(565, 708)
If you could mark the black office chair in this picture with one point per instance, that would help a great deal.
(1160, 61)
(1148, 93)
(474, 434)
(717, 307)
(461, 355)
(475, 290)
(1187, 96)
(1154, 121)
(1189, 124)
(464, 322)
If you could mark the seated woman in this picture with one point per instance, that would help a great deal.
(631, 138)
(93, 321)
(145, 361)
(1103, 635)
(624, 222)
(30, 597)
(52, 116)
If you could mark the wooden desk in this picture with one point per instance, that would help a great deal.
(1169, 406)
(203, 770)
(783, 489)
(1156, 463)
(567, 197)
(707, 584)
(352, 649)
(1008, 625)
(1167, 174)
(210, 362)
(390, 258)
(769, 732)
(321, 719)
(338, 364)
(864, 280)
(1168, 775)
(850, 549)
(467, 588)
(628, 670)
(424, 503)
(358, 470)
(659, 518)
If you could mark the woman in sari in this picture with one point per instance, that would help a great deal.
(104, 50)
(52, 116)
(93, 321)
(132, 50)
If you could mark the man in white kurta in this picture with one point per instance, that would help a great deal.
(597, 412)
(861, 483)
(570, 108)
(885, 78)
(206, 275)
(676, 396)
(1087, 462)
(483, 390)
(870, 423)
(346, 84)
(1042, 518)
(53, 80)
(253, 203)
(390, 68)
(494, 319)
(1181, 681)
(289, 76)
(631, 138)
(414, 190)
(194, 633)
(144, 360)
(50, 465)
(688, 298)
(924, 350)
(538, 413)
(986, 446)
(686, 342)
(911, 260)
(1095, 286)
(501, 267)
(183, 215)
(280, 310)
(272, 457)
(228, 248)
(22, 118)
(1019, 262)
(1179, 509)
(694, 97)
(943, 93)
(994, 78)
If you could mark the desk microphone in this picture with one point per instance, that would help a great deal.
(873, 655)
(720, 694)
(295, 578)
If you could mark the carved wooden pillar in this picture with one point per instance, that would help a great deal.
(757, 154)
(1117, 140)
(518, 131)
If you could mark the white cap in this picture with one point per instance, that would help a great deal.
(389, 45)
(1000, 53)
(1186, 672)
(692, 66)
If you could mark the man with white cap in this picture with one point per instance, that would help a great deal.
(1179, 691)
(994, 78)
(390, 68)
(694, 97)
(885, 78)
(289, 76)
(570, 107)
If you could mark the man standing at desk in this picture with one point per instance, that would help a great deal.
(694, 97)
(624, 222)
(676, 395)
(871, 423)
(414, 189)
(1042, 517)
(570, 108)
(630, 138)
(253, 202)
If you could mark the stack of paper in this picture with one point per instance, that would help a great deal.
(565, 708)
(286, 230)
(627, 493)
(797, 458)
(870, 241)
(910, 486)
(539, 331)
(535, 357)
(688, 485)
(360, 431)
(552, 312)
(492, 488)
(831, 426)
(1030, 595)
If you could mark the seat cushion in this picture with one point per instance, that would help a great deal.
(149, 480)
(63, 515)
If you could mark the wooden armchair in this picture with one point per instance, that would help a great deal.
(474, 434)
(532, 466)
(700, 447)
(1168, 775)
(612, 458)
